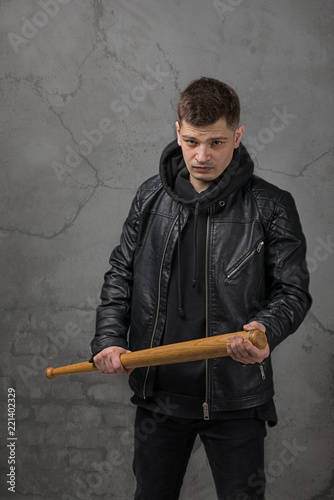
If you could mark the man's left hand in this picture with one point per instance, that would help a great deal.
(244, 351)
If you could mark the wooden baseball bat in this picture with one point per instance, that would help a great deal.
(191, 350)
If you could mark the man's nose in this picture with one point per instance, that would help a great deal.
(202, 154)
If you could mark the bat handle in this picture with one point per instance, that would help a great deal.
(84, 367)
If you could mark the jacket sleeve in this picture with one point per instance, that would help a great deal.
(287, 277)
(113, 314)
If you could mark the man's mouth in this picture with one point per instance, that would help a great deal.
(202, 168)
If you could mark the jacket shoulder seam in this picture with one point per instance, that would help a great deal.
(148, 188)
(256, 196)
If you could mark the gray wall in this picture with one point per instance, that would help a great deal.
(88, 102)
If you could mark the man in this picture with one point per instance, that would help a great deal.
(207, 248)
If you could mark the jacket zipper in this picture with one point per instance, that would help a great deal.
(263, 375)
(205, 404)
(246, 259)
(159, 294)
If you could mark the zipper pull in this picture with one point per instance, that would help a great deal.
(206, 411)
(263, 375)
(259, 247)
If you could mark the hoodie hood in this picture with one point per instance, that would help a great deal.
(172, 166)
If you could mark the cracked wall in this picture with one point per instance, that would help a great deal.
(88, 102)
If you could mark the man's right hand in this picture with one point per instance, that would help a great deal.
(108, 361)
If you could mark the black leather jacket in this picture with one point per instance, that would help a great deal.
(255, 271)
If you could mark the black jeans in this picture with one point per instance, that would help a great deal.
(163, 445)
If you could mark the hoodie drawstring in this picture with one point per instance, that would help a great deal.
(180, 305)
(194, 279)
(195, 245)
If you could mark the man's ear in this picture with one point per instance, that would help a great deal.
(178, 131)
(238, 135)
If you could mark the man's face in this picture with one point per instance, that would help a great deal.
(207, 151)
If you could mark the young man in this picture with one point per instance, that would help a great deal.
(207, 248)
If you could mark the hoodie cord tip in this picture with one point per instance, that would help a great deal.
(181, 312)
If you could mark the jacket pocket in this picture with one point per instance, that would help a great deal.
(244, 261)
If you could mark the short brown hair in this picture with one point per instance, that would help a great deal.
(205, 101)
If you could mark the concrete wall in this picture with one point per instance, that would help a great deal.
(88, 102)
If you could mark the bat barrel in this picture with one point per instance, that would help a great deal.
(192, 350)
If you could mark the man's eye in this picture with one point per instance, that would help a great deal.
(217, 143)
(190, 143)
